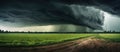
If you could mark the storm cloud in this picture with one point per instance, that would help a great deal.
(47, 12)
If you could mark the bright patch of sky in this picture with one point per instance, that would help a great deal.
(112, 22)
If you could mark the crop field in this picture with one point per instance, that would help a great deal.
(110, 37)
(36, 39)
(26, 39)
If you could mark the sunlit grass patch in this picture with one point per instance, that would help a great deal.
(111, 37)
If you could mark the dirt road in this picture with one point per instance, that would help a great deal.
(90, 44)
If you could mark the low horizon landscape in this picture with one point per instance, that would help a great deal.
(59, 25)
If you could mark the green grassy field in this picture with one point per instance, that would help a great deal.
(36, 39)
(26, 39)
(110, 37)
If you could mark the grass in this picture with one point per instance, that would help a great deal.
(110, 37)
(26, 39)
(36, 39)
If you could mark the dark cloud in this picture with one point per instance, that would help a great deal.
(47, 12)
(111, 6)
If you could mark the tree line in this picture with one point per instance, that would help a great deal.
(1, 31)
(6, 31)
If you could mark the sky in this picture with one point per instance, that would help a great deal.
(112, 22)
(42, 16)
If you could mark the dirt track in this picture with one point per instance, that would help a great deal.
(90, 44)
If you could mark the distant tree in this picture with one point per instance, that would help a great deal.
(114, 31)
(6, 31)
(105, 31)
(1, 30)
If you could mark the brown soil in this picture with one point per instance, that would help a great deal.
(82, 45)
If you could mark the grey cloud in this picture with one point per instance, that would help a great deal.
(46, 12)
(111, 6)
